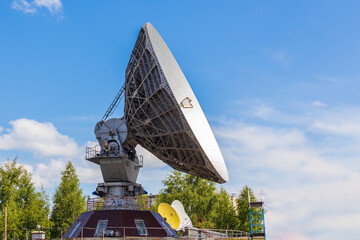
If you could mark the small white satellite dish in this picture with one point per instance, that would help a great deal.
(185, 220)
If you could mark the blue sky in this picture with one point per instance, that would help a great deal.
(277, 80)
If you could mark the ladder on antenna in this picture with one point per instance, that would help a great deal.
(257, 220)
(114, 103)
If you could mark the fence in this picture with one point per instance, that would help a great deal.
(25, 234)
(114, 233)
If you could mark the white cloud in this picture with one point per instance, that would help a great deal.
(150, 161)
(342, 121)
(317, 103)
(42, 139)
(293, 235)
(308, 170)
(55, 149)
(54, 7)
(48, 174)
(23, 6)
(310, 178)
(263, 111)
(52, 148)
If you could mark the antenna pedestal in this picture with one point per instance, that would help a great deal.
(119, 174)
(119, 189)
(119, 195)
(118, 169)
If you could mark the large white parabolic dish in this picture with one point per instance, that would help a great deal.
(163, 114)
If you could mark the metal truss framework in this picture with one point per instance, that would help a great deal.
(154, 117)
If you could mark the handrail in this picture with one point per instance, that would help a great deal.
(134, 203)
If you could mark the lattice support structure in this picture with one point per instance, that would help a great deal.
(154, 116)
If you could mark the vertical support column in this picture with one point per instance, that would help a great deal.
(263, 218)
(251, 233)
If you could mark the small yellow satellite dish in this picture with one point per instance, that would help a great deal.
(169, 214)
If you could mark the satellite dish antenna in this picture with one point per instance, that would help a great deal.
(162, 114)
(185, 220)
(169, 214)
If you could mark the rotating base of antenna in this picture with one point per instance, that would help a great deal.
(119, 189)
(119, 195)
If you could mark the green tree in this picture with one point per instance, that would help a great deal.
(27, 207)
(69, 201)
(243, 208)
(224, 212)
(207, 206)
(196, 194)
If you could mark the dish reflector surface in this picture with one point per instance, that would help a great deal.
(185, 220)
(163, 113)
(169, 214)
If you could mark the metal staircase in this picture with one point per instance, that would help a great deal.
(257, 220)
(114, 103)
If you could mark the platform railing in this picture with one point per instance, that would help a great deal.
(95, 152)
(92, 152)
(107, 203)
(114, 233)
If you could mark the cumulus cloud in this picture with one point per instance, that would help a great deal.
(54, 7)
(308, 169)
(42, 139)
(23, 6)
(51, 149)
(48, 174)
(317, 103)
(309, 177)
